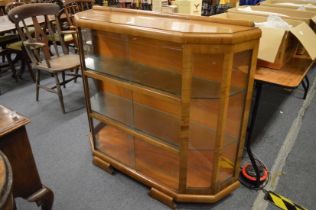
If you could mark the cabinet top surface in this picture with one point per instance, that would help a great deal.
(142, 23)
(10, 120)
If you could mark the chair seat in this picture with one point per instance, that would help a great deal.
(62, 63)
(8, 38)
(67, 38)
(15, 46)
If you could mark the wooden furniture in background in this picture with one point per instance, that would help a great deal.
(15, 145)
(6, 198)
(83, 4)
(168, 98)
(2, 6)
(50, 60)
(66, 19)
(6, 53)
(7, 38)
(12, 5)
(290, 76)
(13, 45)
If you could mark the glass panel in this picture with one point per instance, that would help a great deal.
(157, 164)
(114, 143)
(240, 76)
(200, 166)
(227, 163)
(203, 119)
(147, 114)
(87, 42)
(152, 63)
(111, 101)
(157, 123)
(128, 58)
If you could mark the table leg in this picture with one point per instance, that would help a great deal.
(44, 198)
(305, 86)
(254, 109)
(253, 115)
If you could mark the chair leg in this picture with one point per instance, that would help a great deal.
(38, 78)
(12, 67)
(29, 67)
(64, 78)
(22, 69)
(25, 63)
(305, 86)
(76, 73)
(59, 93)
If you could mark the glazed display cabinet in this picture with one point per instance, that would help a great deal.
(168, 98)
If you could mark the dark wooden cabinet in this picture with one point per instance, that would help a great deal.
(14, 143)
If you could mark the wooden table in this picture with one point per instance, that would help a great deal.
(15, 145)
(7, 26)
(290, 76)
(6, 198)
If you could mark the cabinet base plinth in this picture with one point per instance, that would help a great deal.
(102, 164)
(162, 197)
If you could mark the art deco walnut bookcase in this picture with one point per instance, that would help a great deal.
(168, 98)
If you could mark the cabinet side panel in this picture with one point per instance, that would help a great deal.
(207, 74)
(236, 105)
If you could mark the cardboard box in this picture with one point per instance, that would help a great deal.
(170, 9)
(189, 7)
(277, 46)
(308, 5)
(306, 16)
(158, 4)
(311, 2)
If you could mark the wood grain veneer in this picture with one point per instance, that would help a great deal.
(168, 98)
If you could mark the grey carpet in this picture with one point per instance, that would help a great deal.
(299, 174)
(62, 151)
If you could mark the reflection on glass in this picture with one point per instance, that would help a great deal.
(151, 118)
(205, 112)
(160, 79)
(126, 58)
(159, 165)
(114, 143)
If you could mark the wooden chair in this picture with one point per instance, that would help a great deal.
(66, 19)
(43, 57)
(2, 6)
(82, 4)
(16, 47)
(7, 54)
(12, 5)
